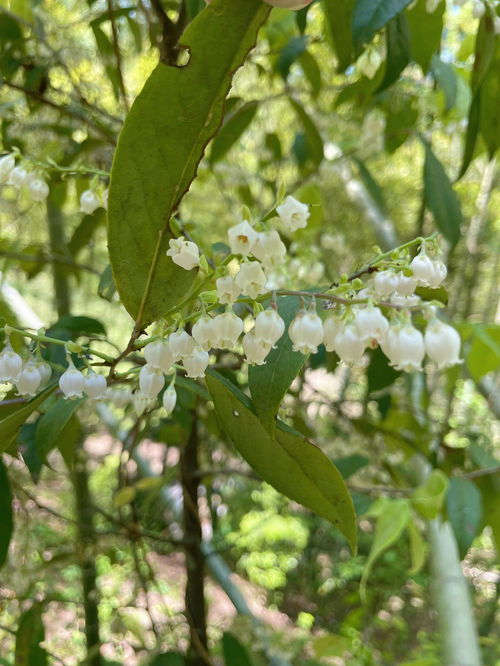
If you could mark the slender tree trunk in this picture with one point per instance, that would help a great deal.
(195, 559)
(58, 247)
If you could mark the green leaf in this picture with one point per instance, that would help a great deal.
(52, 424)
(82, 235)
(338, 19)
(289, 54)
(269, 383)
(489, 118)
(445, 76)
(161, 144)
(314, 142)
(374, 189)
(312, 72)
(418, 548)
(80, 325)
(331, 645)
(231, 131)
(6, 517)
(440, 197)
(393, 517)
(484, 352)
(401, 118)
(29, 635)
(425, 32)
(288, 461)
(10, 30)
(10, 425)
(349, 465)
(379, 373)
(398, 50)
(428, 498)
(371, 15)
(235, 654)
(168, 659)
(106, 288)
(464, 508)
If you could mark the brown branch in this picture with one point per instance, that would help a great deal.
(170, 32)
(118, 55)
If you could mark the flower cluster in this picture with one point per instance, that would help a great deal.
(27, 375)
(22, 179)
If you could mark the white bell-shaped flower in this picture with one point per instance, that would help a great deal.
(306, 332)
(227, 329)
(196, 363)
(185, 254)
(405, 349)
(169, 400)
(95, 386)
(45, 372)
(29, 379)
(119, 397)
(293, 213)
(478, 9)
(204, 333)
(442, 344)
(18, 177)
(158, 354)
(439, 273)
(269, 249)
(38, 189)
(10, 363)
(141, 402)
(227, 290)
(332, 327)
(385, 283)
(255, 349)
(242, 238)
(269, 326)
(71, 382)
(349, 345)
(406, 285)
(89, 202)
(423, 267)
(7, 163)
(371, 324)
(181, 344)
(406, 301)
(251, 279)
(151, 381)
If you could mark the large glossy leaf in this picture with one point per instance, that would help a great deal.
(425, 32)
(268, 383)
(10, 425)
(371, 15)
(288, 461)
(338, 20)
(165, 134)
(464, 508)
(30, 634)
(6, 518)
(440, 197)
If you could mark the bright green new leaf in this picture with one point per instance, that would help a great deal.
(124, 496)
(338, 20)
(371, 15)
(393, 517)
(269, 382)
(162, 142)
(484, 352)
(428, 498)
(288, 461)
(235, 654)
(10, 425)
(231, 131)
(440, 197)
(29, 635)
(425, 32)
(464, 508)
(52, 424)
(6, 517)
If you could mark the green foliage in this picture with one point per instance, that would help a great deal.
(56, 429)
(160, 146)
(429, 497)
(371, 15)
(6, 517)
(338, 18)
(234, 126)
(235, 654)
(464, 509)
(30, 634)
(425, 32)
(10, 425)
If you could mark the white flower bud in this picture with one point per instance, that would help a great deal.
(423, 268)
(151, 381)
(406, 285)
(478, 9)
(10, 363)
(251, 279)
(169, 400)
(439, 273)
(45, 372)
(442, 344)
(306, 332)
(158, 354)
(255, 349)
(227, 290)
(196, 363)
(141, 402)
(18, 177)
(89, 202)
(38, 189)
(269, 327)
(371, 324)
(95, 386)
(185, 254)
(203, 332)
(349, 345)
(7, 163)
(71, 382)
(181, 344)
(227, 328)
(332, 327)
(293, 213)
(29, 379)
(404, 348)
(385, 283)
(269, 249)
(242, 238)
